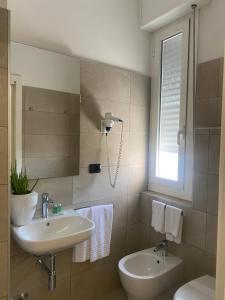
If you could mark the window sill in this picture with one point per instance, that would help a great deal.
(169, 199)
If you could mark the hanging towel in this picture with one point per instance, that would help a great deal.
(158, 216)
(173, 224)
(102, 216)
(81, 252)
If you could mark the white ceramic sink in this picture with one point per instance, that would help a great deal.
(43, 236)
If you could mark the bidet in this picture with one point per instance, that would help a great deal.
(145, 274)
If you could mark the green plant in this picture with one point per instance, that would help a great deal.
(19, 181)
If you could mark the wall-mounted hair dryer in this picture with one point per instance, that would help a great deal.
(108, 122)
(106, 126)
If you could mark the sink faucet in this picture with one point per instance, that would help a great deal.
(163, 246)
(45, 204)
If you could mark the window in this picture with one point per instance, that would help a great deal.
(171, 146)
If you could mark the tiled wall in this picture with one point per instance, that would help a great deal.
(126, 95)
(51, 133)
(198, 248)
(4, 209)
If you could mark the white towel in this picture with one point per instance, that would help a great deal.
(158, 216)
(102, 216)
(81, 252)
(173, 224)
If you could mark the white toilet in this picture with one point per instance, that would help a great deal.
(202, 288)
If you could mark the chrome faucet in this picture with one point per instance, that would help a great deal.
(162, 246)
(45, 204)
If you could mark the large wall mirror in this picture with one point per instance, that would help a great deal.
(45, 91)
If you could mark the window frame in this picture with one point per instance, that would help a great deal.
(183, 188)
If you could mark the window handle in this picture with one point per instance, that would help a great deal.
(181, 133)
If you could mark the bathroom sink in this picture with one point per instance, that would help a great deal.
(44, 236)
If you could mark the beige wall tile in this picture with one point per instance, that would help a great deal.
(93, 111)
(214, 153)
(146, 209)
(4, 38)
(201, 150)
(4, 155)
(200, 194)
(96, 282)
(97, 79)
(118, 242)
(4, 269)
(44, 100)
(211, 264)
(194, 228)
(3, 3)
(46, 123)
(211, 234)
(119, 210)
(38, 99)
(194, 260)
(3, 92)
(137, 181)
(15, 248)
(4, 213)
(138, 149)
(139, 120)
(219, 114)
(140, 89)
(213, 189)
(93, 149)
(221, 62)
(22, 266)
(134, 205)
(91, 187)
(61, 292)
(208, 79)
(60, 189)
(75, 124)
(145, 241)
(47, 145)
(206, 113)
(48, 167)
(133, 238)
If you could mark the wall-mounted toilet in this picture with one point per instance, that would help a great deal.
(202, 288)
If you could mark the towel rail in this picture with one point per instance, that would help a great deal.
(182, 212)
(93, 205)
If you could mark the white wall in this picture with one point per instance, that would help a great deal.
(211, 24)
(152, 9)
(45, 69)
(212, 31)
(156, 14)
(103, 30)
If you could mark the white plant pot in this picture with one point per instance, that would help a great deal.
(23, 208)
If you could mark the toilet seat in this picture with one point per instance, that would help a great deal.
(202, 288)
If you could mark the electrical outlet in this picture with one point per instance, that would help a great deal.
(94, 168)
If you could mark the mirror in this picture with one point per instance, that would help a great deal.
(45, 96)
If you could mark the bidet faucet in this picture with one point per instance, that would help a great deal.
(45, 204)
(163, 246)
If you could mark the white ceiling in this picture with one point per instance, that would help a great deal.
(103, 30)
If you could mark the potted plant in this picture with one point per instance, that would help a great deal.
(23, 199)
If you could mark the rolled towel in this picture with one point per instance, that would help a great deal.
(158, 216)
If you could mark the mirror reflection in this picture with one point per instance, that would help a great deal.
(47, 129)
